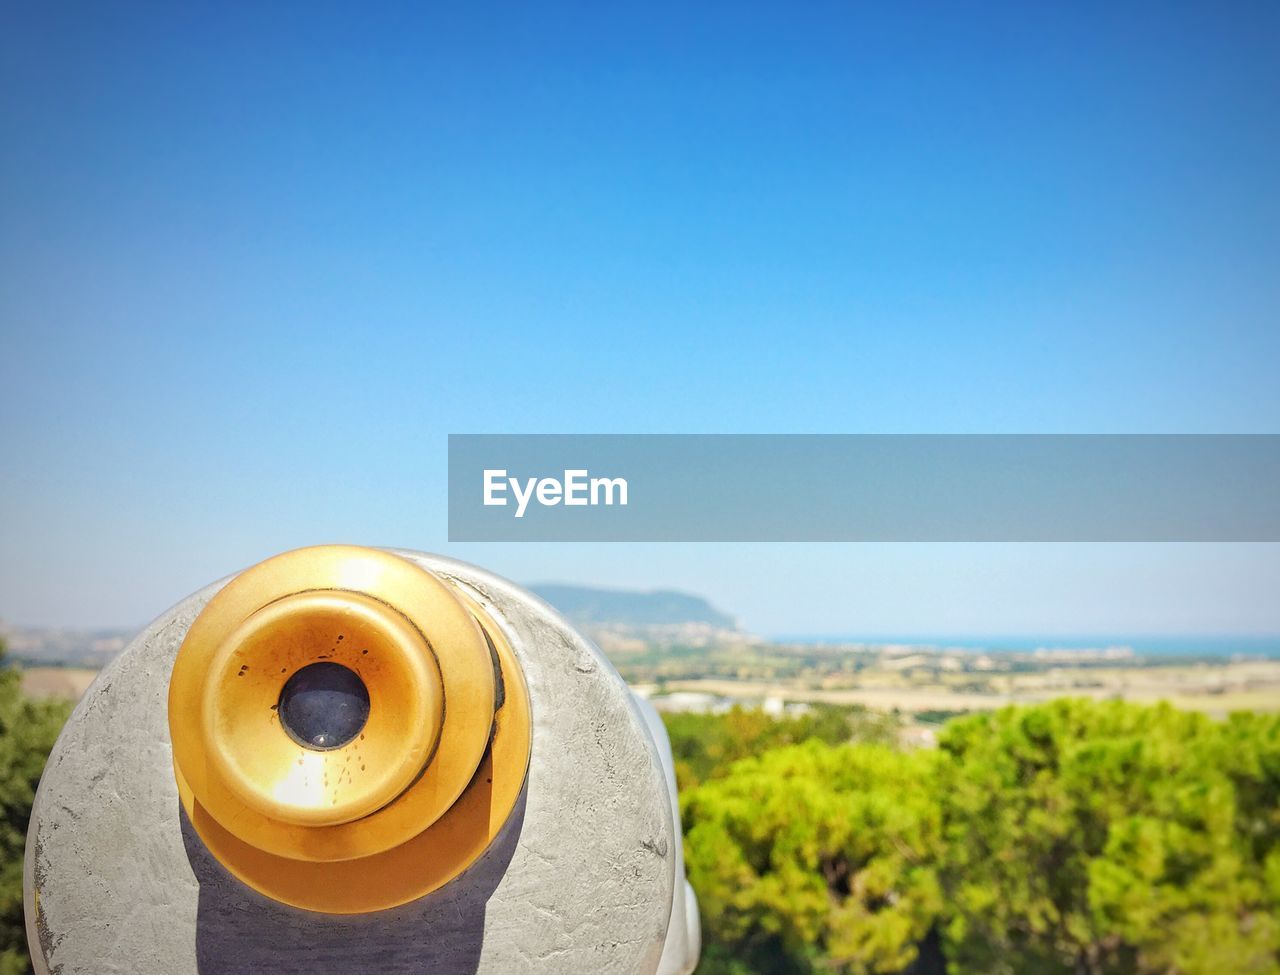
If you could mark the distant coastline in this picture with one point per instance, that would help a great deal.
(1140, 646)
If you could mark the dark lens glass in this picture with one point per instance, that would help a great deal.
(324, 706)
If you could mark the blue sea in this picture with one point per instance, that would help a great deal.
(1144, 646)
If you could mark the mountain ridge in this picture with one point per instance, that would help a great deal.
(631, 607)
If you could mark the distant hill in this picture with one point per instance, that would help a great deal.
(611, 616)
(62, 647)
(620, 607)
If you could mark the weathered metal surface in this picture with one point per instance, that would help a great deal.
(582, 879)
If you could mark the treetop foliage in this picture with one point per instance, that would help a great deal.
(1070, 838)
(705, 745)
(28, 729)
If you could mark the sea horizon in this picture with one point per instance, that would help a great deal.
(1142, 645)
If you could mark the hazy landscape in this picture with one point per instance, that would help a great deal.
(688, 655)
(872, 807)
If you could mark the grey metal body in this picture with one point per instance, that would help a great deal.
(587, 876)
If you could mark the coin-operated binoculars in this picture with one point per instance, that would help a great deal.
(348, 760)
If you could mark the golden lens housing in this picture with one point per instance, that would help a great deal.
(411, 799)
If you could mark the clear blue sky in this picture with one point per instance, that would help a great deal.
(255, 264)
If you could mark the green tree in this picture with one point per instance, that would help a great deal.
(1252, 754)
(706, 745)
(814, 858)
(28, 728)
(1110, 839)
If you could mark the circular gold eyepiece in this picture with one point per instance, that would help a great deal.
(331, 711)
(320, 782)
